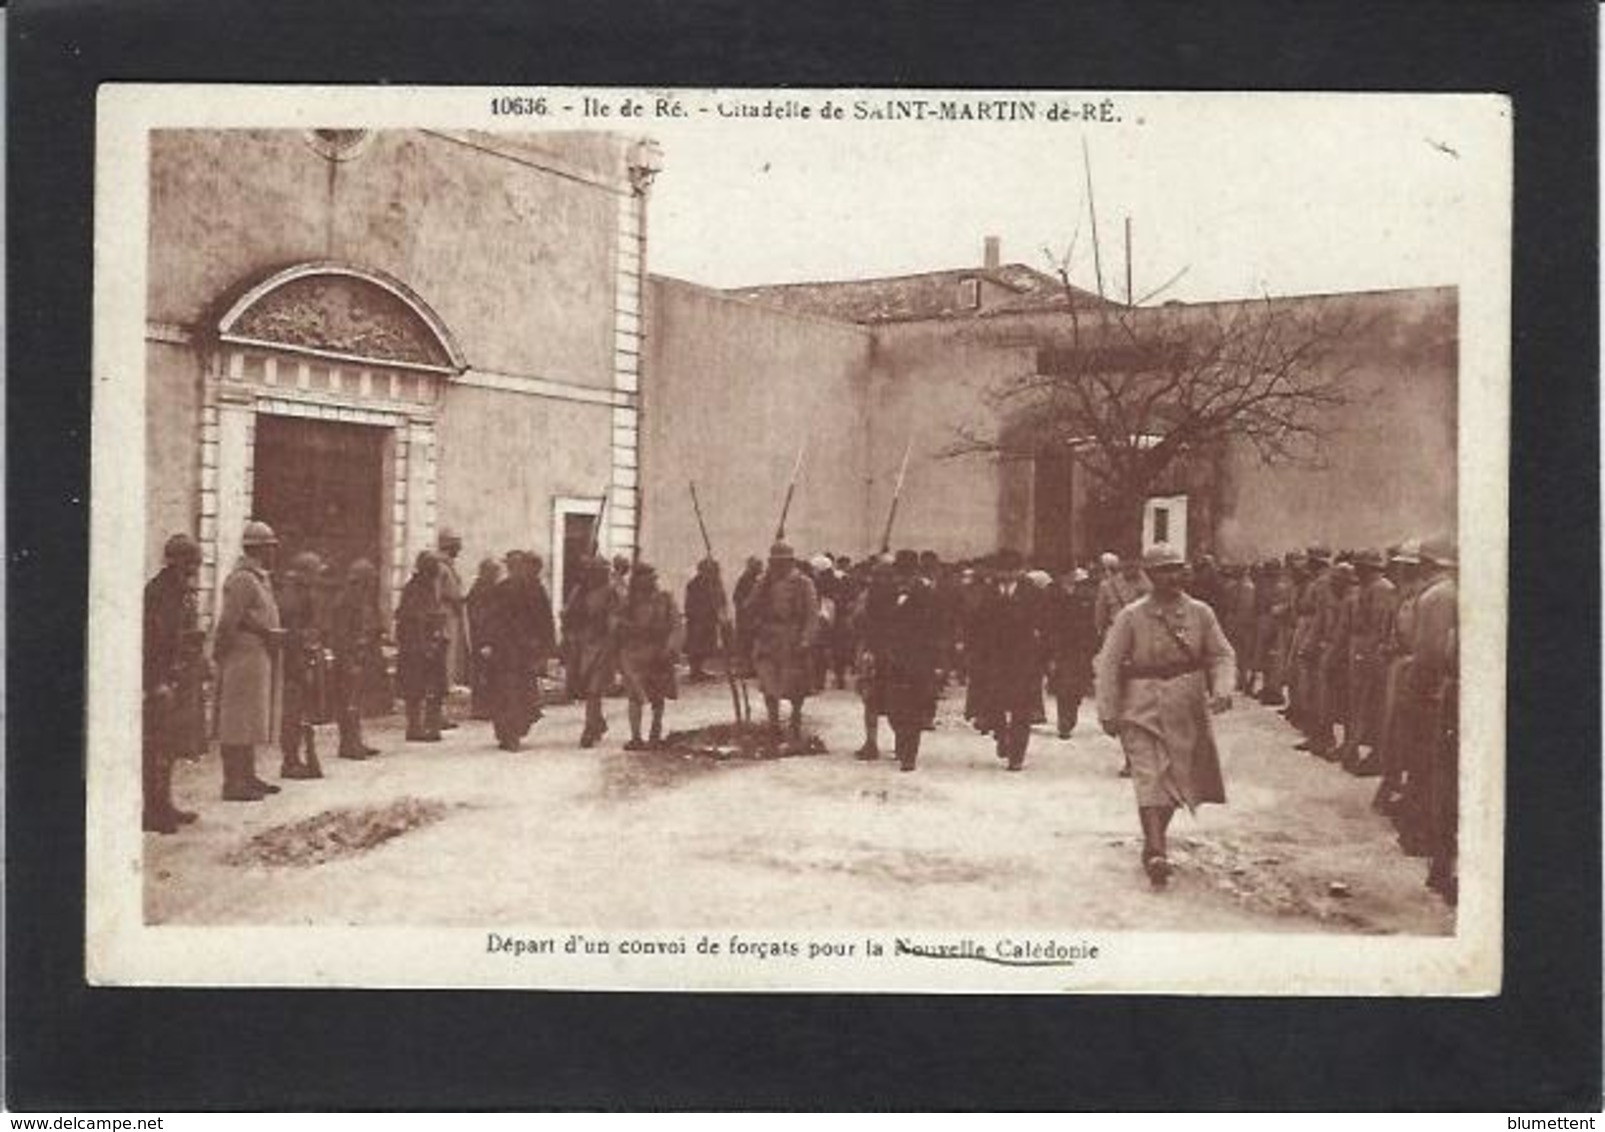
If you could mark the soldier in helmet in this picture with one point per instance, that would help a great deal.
(783, 610)
(589, 643)
(421, 642)
(248, 647)
(1374, 603)
(354, 631)
(174, 721)
(1433, 757)
(649, 634)
(305, 670)
(1123, 584)
(1164, 667)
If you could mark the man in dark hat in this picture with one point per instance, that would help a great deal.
(1010, 653)
(518, 638)
(783, 611)
(909, 652)
(871, 627)
(1072, 640)
(174, 723)
(480, 607)
(707, 618)
(355, 628)
(1165, 666)
(305, 666)
(649, 634)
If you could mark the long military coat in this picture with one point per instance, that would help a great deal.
(784, 616)
(1171, 712)
(250, 672)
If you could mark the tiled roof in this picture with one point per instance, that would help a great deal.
(956, 293)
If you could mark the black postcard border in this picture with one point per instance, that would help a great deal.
(1535, 1047)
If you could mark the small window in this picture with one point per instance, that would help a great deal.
(970, 294)
(1161, 524)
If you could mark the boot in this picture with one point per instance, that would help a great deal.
(1019, 736)
(1154, 861)
(314, 769)
(794, 727)
(415, 722)
(908, 750)
(165, 793)
(236, 787)
(351, 737)
(655, 736)
(248, 773)
(433, 722)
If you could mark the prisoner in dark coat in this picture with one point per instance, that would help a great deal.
(909, 653)
(479, 605)
(1006, 667)
(707, 617)
(422, 637)
(175, 671)
(519, 636)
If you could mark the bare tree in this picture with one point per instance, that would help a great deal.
(1139, 392)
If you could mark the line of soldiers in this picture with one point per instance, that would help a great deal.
(1366, 643)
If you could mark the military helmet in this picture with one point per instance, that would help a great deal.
(307, 564)
(1162, 555)
(448, 537)
(258, 533)
(181, 548)
(1440, 551)
(1369, 559)
(1319, 553)
(782, 551)
(1409, 552)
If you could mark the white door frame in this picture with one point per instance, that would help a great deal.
(562, 507)
(1175, 507)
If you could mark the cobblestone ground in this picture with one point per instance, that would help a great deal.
(461, 833)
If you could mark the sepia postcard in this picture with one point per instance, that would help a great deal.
(799, 540)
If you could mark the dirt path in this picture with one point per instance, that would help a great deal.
(459, 833)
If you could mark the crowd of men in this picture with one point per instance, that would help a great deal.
(1358, 649)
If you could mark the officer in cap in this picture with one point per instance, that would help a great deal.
(174, 723)
(248, 646)
(1164, 667)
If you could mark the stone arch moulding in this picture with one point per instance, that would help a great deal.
(345, 313)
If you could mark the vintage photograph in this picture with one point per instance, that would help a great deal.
(860, 540)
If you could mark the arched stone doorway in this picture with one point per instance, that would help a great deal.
(318, 416)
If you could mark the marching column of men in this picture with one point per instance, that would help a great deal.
(1358, 644)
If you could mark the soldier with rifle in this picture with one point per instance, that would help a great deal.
(306, 666)
(649, 634)
(355, 628)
